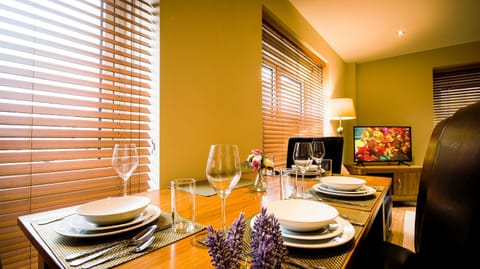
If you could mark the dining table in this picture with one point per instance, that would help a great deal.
(172, 250)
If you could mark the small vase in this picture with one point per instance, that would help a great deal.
(260, 184)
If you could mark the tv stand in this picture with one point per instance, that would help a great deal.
(405, 179)
(404, 163)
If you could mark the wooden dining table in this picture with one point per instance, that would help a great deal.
(369, 223)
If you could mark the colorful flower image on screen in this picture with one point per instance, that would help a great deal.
(382, 144)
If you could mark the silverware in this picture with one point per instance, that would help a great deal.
(57, 218)
(352, 221)
(81, 258)
(143, 246)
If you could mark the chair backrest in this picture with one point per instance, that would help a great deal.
(333, 150)
(447, 224)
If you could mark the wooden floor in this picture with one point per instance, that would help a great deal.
(398, 218)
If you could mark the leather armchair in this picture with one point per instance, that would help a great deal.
(447, 222)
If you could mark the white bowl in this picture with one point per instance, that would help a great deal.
(113, 210)
(343, 183)
(302, 215)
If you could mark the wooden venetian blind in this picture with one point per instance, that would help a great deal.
(454, 88)
(75, 78)
(293, 98)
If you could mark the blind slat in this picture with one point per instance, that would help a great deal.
(293, 98)
(75, 78)
(454, 88)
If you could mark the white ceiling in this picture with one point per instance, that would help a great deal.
(365, 30)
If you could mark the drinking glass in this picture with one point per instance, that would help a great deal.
(302, 157)
(223, 173)
(124, 162)
(318, 150)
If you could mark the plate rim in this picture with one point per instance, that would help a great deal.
(343, 178)
(325, 188)
(370, 192)
(347, 235)
(145, 215)
(339, 230)
(58, 228)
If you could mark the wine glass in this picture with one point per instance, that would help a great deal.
(223, 173)
(318, 149)
(124, 162)
(302, 157)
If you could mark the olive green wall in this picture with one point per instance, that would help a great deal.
(210, 88)
(398, 91)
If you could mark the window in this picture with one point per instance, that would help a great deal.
(454, 88)
(75, 78)
(293, 98)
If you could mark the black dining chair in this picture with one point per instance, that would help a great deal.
(333, 150)
(447, 220)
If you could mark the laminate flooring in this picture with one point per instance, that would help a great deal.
(399, 236)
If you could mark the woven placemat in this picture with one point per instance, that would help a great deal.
(330, 258)
(356, 217)
(360, 203)
(62, 246)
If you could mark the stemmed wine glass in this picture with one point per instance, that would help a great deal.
(124, 162)
(223, 173)
(302, 157)
(318, 149)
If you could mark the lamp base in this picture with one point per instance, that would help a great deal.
(340, 131)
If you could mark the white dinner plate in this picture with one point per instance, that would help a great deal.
(65, 229)
(113, 210)
(361, 190)
(334, 229)
(369, 191)
(347, 235)
(79, 222)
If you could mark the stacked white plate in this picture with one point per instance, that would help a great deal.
(343, 186)
(108, 216)
(309, 224)
(312, 171)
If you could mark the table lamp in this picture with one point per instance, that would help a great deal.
(341, 109)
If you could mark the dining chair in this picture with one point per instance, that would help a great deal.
(333, 150)
(447, 220)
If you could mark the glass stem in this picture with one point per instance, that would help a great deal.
(125, 187)
(223, 226)
(303, 183)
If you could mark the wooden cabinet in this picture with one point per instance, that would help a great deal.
(405, 179)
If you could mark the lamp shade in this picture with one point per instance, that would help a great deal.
(342, 109)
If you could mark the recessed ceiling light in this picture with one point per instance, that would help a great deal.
(400, 33)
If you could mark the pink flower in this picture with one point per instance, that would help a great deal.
(256, 162)
(256, 152)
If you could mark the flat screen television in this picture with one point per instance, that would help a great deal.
(382, 144)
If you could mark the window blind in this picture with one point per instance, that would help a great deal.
(454, 88)
(75, 78)
(293, 98)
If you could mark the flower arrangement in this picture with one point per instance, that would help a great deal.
(257, 160)
(267, 248)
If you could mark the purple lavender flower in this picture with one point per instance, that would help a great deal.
(268, 250)
(226, 250)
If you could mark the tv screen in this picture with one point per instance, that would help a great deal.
(382, 144)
